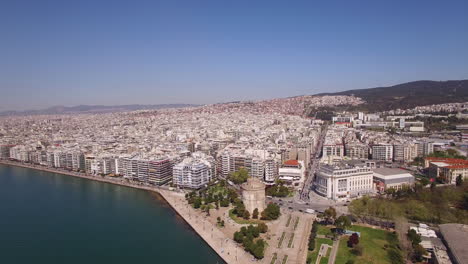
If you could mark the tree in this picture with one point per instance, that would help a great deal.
(258, 249)
(224, 202)
(459, 180)
(414, 237)
(350, 261)
(330, 214)
(418, 253)
(311, 243)
(272, 212)
(246, 215)
(353, 240)
(238, 237)
(197, 203)
(342, 222)
(262, 227)
(357, 250)
(255, 213)
(239, 176)
(253, 230)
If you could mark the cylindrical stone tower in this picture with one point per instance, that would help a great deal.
(253, 195)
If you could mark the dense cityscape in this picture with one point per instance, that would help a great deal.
(234, 132)
(309, 167)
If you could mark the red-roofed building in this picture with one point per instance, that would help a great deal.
(446, 169)
(291, 163)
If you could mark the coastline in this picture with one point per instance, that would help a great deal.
(225, 247)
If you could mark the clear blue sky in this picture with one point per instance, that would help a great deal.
(150, 52)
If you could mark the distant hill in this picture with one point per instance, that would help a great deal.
(409, 95)
(93, 109)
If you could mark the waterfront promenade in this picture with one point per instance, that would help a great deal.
(224, 246)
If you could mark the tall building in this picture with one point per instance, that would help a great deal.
(271, 171)
(191, 173)
(5, 151)
(383, 152)
(357, 151)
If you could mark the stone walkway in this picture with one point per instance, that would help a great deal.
(332, 258)
(224, 246)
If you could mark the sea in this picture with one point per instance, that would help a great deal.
(53, 218)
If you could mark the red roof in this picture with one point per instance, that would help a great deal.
(448, 160)
(453, 163)
(291, 163)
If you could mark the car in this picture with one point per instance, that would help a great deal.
(289, 201)
(307, 203)
(300, 210)
(280, 200)
(290, 208)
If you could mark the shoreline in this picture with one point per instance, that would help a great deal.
(222, 245)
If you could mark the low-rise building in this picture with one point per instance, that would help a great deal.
(385, 178)
(446, 169)
(454, 236)
(342, 181)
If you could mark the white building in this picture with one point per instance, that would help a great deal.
(383, 152)
(385, 178)
(343, 181)
(191, 173)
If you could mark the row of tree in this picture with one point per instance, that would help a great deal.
(417, 253)
(433, 205)
(271, 212)
(207, 197)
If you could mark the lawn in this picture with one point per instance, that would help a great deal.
(313, 254)
(372, 240)
(324, 230)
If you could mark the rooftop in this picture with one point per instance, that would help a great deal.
(455, 235)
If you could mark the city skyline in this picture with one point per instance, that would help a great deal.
(157, 53)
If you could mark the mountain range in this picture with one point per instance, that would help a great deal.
(409, 95)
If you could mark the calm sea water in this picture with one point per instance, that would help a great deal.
(52, 218)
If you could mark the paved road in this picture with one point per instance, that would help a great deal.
(314, 165)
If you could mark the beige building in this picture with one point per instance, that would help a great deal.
(446, 169)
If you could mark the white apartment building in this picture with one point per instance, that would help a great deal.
(191, 173)
(336, 150)
(343, 181)
(383, 152)
(357, 151)
(271, 171)
(5, 151)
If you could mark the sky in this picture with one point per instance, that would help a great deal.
(154, 52)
